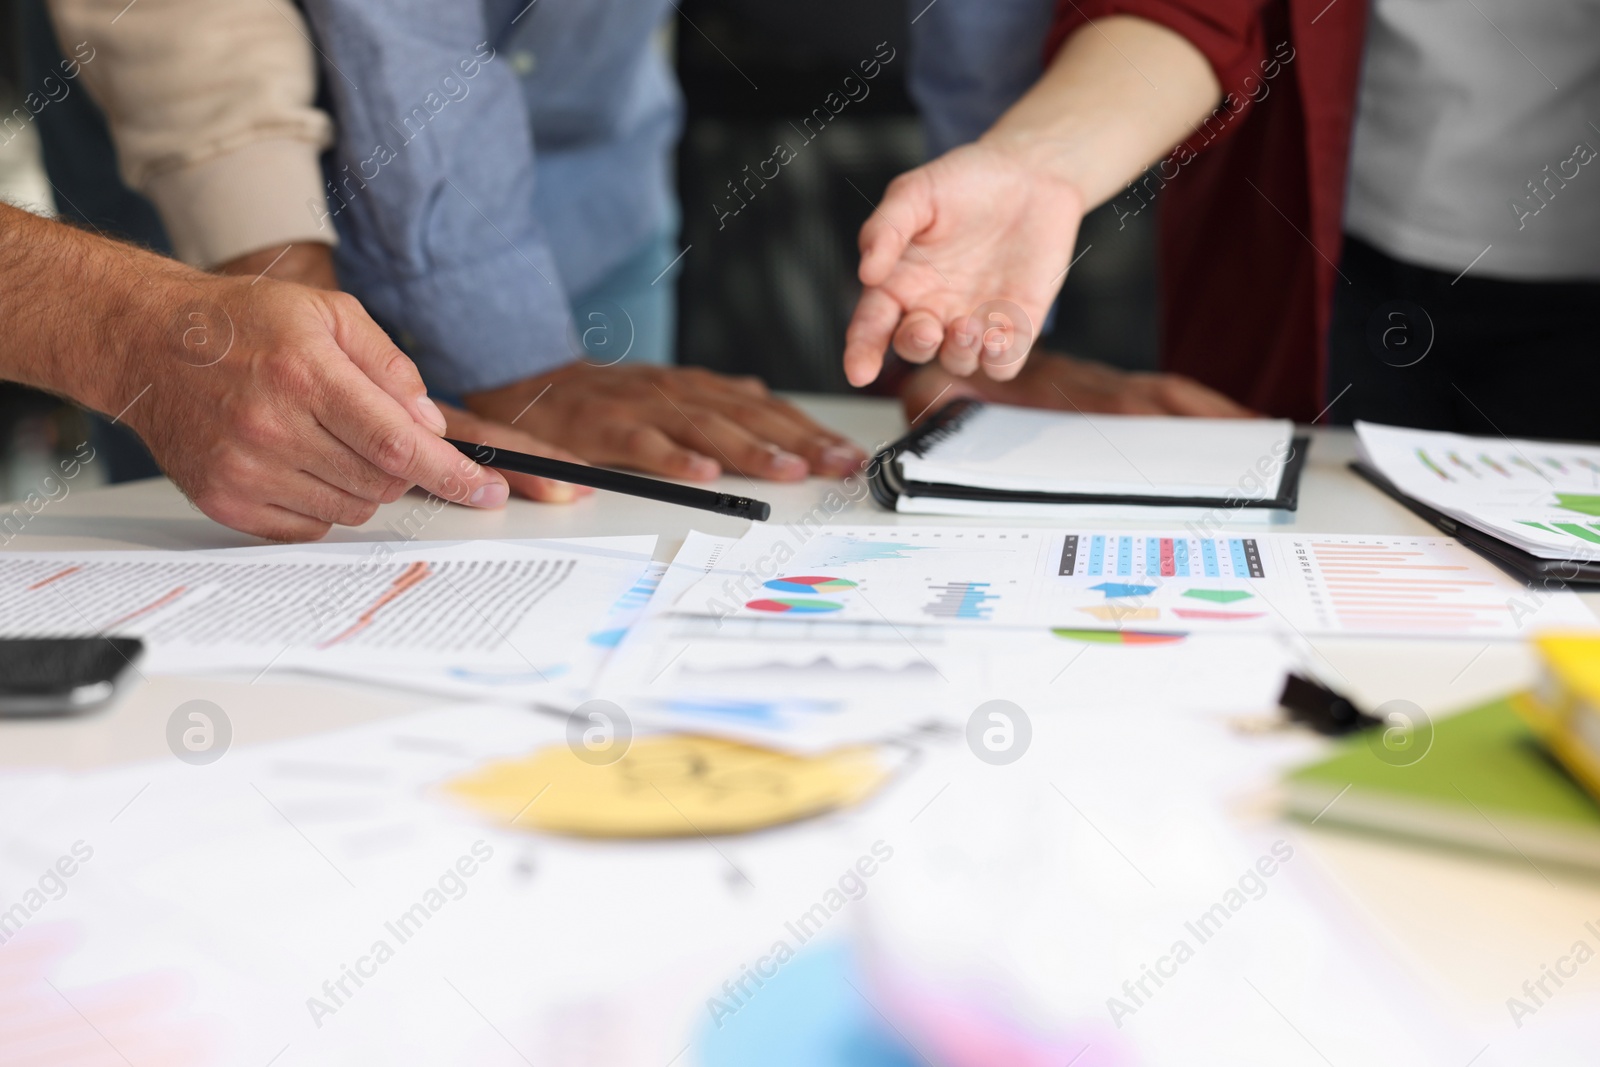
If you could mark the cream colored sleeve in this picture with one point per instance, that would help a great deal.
(211, 108)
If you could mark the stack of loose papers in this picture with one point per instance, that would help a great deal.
(795, 681)
(1094, 579)
(1540, 496)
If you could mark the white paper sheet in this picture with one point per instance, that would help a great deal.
(1542, 496)
(518, 610)
(219, 904)
(212, 908)
(1004, 447)
(1113, 580)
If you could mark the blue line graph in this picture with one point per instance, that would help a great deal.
(835, 551)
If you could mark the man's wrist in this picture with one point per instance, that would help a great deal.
(168, 316)
(152, 311)
(107, 323)
(104, 318)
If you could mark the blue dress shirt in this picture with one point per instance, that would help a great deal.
(493, 156)
(972, 59)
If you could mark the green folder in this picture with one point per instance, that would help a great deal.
(1483, 783)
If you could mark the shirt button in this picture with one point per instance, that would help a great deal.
(523, 63)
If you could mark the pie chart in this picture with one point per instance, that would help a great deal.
(795, 605)
(810, 583)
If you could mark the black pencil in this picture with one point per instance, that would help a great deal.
(615, 481)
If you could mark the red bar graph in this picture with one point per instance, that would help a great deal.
(1385, 587)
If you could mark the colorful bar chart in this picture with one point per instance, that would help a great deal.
(1426, 461)
(1388, 587)
(1540, 467)
(1110, 555)
(960, 600)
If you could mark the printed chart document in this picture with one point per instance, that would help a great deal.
(997, 446)
(477, 613)
(1110, 580)
(769, 681)
(1541, 496)
(799, 683)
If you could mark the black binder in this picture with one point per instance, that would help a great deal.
(889, 484)
(1550, 573)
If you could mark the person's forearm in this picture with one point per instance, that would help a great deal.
(78, 314)
(211, 106)
(1120, 94)
(277, 409)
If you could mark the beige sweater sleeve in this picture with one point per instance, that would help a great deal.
(210, 106)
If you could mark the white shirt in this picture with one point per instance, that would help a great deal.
(1478, 128)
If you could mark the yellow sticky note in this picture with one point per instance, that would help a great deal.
(669, 785)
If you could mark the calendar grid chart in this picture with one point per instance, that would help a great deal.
(1127, 556)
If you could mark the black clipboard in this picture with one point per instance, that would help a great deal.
(1551, 573)
(889, 484)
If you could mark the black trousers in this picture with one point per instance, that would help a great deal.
(1417, 347)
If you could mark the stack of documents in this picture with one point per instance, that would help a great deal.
(796, 674)
(972, 458)
(1108, 580)
(806, 638)
(801, 637)
(1535, 505)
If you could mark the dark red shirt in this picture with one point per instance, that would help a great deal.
(1251, 207)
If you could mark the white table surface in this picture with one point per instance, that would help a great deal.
(1474, 928)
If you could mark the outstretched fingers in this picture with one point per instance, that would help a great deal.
(872, 326)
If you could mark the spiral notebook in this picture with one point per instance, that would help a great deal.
(975, 458)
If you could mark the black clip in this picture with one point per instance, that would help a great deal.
(1312, 704)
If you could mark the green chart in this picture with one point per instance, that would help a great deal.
(1583, 504)
(1590, 533)
(1218, 596)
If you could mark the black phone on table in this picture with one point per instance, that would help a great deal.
(62, 675)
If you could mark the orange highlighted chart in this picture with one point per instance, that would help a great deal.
(392, 611)
(1414, 587)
